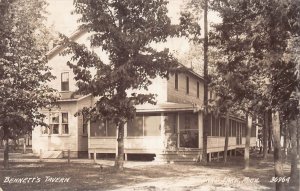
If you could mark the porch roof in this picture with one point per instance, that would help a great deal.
(168, 106)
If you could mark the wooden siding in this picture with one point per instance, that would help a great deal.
(216, 144)
(149, 144)
(179, 95)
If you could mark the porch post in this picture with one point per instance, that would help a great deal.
(178, 131)
(200, 128)
(209, 157)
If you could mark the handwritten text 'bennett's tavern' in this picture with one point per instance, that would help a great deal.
(24, 180)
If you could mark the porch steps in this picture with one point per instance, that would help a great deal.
(178, 156)
(52, 154)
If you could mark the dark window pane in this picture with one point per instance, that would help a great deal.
(176, 81)
(65, 81)
(198, 89)
(64, 117)
(187, 85)
(65, 129)
(152, 125)
(54, 128)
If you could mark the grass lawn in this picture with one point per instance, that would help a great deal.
(146, 176)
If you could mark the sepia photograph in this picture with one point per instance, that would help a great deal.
(149, 95)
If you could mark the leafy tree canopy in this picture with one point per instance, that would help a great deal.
(125, 30)
(23, 71)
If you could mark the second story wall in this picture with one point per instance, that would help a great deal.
(64, 81)
(185, 88)
(158, 87)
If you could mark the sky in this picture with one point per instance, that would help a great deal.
(62, 21)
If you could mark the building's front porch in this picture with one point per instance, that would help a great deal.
(170, 135)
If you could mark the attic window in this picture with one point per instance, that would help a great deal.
(65, 81)
(198, 93)
(176, 81)
(187, 85)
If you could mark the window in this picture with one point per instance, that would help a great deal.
(176, 81)
(198, 93)
(64, 123)
(103, 128)
(189, 133)
(65, 81)
(54, 123)
(58, 123)
(187, 85)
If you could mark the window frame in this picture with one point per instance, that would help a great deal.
(187, 81)
(60, 124)
(66, 82)
(198, 89)
(65, 123)
(176, 81)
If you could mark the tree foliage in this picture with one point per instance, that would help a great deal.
(258, 64)
(23, 71)
(126, 31)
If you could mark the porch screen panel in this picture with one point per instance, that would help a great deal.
(189, 133)
(170, 123)
(111, 129)
(135, 126)
(253, 131)
(152, 124)
(209, 131)
(234, 124)
(98, 128)
(222, 127)
(213, 126)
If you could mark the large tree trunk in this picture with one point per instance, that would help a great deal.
(285, 134)
(265, 134)
(6, 149)
(298, 137)
(270, 146)
(119, 162)
(294, 169)
(226, 136)
(247, 144)
(277, 150)
(205, 68)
